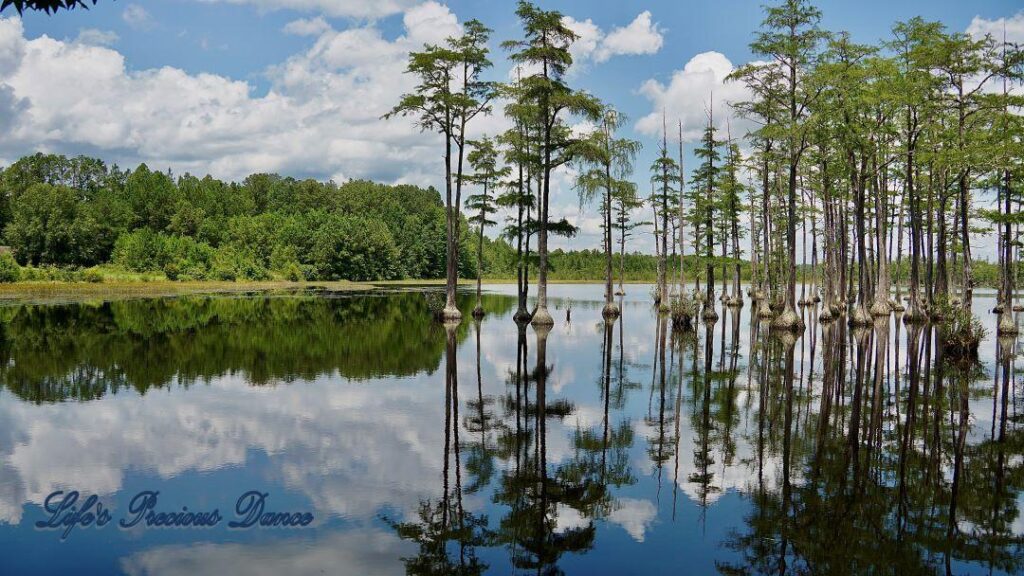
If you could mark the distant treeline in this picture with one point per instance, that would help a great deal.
(75, 213)
(78, 212)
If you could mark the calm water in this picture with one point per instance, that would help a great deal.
(595, 449)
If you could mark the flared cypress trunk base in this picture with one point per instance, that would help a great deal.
(881, 308)
(478, 311)
(860, 317)
(610, 311)
(915, 315)
(709, 315)
(541, 317)
(1007, 326)
(451, 314)
(788, 321)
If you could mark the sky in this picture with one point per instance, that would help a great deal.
(298, 87)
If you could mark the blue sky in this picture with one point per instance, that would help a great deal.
(232, 87)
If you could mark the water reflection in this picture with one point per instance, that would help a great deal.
(593, 447)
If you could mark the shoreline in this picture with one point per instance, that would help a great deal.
(56, 292)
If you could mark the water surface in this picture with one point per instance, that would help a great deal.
(625, 448)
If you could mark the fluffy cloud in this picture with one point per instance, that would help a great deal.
(340, 8)
(689, 94)
(307, 26)
(1014, 27)
(635, 516)
(320, 116)
(641, 36)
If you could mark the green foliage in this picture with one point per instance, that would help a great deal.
(962, 332)
(49, 225)
(353, 248)
(75, 212)
(232, 263)
(9, 269)
(92, 275)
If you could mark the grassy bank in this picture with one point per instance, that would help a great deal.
(52, 292)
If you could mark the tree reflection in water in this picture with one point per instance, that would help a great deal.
(888, 481)
(838, 451)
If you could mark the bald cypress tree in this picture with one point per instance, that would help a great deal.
(544, 49)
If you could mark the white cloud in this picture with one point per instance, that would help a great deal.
(588, 37)
(307, 26)
(688, 95)
(1014, 27)
(641, 36)
(137, 17)
(339, 8)
(634, 515)
(320, 116)
(96, 37)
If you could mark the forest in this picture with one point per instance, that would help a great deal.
(61, 217)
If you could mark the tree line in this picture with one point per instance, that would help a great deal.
(870, 152)
(61, 214)
(79, 212)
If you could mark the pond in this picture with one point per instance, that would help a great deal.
(625, 448)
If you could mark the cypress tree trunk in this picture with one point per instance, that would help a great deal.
(1006, 323)
(860, 316)
(611, 310)
(881, 305)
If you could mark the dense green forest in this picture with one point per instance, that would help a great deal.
(61, 216)
(78, 212)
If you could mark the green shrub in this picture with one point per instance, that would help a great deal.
(93, 276)
(230, 263)
(52, 274)
(139, 251)
(172, 271)
(146, 251)
(961, 333)
(9, 269)
(294, 273)
(683, 309)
